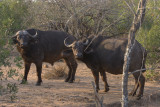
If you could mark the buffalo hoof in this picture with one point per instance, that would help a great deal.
(23, 82)
(97, 89)
(70, 81)
(132, 94)
(138, 97)
(67, 79)
(106, 90)
(38, 84)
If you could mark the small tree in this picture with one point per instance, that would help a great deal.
(137, 21)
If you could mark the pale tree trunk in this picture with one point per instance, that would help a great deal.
(137, 21)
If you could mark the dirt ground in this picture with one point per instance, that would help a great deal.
(57, 93)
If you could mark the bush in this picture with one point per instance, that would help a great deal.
(11, 18)
(81, 18)
(149, 37)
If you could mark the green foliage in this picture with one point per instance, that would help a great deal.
(13, 89)
(153, 38)
(18, 61)
(4, 53)
(1, 75)
(149, 37)
(12, 73)
(11, 18)
(12, 14)
(152, 75)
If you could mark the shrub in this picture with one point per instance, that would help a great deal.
(149, 37)
(11, 18)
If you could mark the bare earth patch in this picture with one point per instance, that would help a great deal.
(57, 93)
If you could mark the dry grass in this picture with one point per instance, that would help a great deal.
(58, 71)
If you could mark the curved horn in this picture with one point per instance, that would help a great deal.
(32, 36)
(86, 43)
(67, 45)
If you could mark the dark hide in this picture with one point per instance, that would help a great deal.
(46, 46)
(107, 54)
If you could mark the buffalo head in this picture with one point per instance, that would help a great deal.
(79, 47)
(24, 38)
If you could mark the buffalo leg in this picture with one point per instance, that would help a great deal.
(73, 65)
(27, 68)
(104, 78)
(141, 85)
(133, 92)
(39, 71)
(96, 78)
(139, 82)
(70, 70)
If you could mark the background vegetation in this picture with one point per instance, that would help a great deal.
(79, 18)
(11, 18)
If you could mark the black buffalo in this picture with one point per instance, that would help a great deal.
(37, 46)
(102, 54)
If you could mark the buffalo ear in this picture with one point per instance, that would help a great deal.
(89, 50)
(14, 39)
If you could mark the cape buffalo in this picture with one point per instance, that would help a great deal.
(37, 46)
(102, 54)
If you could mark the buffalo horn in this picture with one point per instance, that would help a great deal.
(67, 45)
(86, 43)
(33, 36)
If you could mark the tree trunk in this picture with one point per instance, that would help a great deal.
(137, 21)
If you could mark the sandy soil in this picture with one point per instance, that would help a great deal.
(57, 93)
